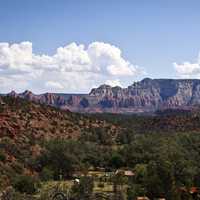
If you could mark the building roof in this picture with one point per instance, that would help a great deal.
(128, 173)
(194, 190)
(142, 198)
(125, 172)
(191, 190)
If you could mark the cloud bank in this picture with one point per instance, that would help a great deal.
(72, 68)
(188, 69)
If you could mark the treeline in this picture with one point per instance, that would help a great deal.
(163, 164)
(162, 121)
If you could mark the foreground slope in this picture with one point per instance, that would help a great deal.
(25, 126)
(44, 142)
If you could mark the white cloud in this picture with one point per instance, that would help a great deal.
(16, 57)
(72, 67)
(188, 69)
(107, 58)
(113, 83)
(54, 85)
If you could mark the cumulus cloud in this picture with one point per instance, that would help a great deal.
(107, 58)
(73, 67)
(54, 85)
(188, 69)
(114, 83)
(16, 57)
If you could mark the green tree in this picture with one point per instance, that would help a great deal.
(46, 174)
(25, 184)
(83, 190)
(61, 156)
(116, 160)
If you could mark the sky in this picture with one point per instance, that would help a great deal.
(71, 46)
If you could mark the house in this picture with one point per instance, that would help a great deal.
(142, 198)
(193, 191)
(101, 169)
(161, 199)
(2, 103)
(76, 181)
(127, 173)
(77, 174)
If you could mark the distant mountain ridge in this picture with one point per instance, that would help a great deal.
(147, 95)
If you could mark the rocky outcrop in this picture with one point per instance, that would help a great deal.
(46, 98)
(52, 99)
(1, 101)
(150, 95)
(147, 95)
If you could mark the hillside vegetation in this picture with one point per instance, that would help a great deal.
(25, 126)
(39, 143)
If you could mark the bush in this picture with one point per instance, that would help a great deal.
(46, 174)
(100, 185)
(25, 184)
(84, 189)
(2, 156)
(10, 194)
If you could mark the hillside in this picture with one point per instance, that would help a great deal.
(25, 126)
(145, 96)
(41, 143)
(163, 121)
(19, 116)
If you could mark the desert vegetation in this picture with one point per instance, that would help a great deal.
(44, 151)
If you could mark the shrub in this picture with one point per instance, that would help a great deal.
(84, 189)
(2, 156)
(100, 185)
(25, 184)
(10, 194)
(46, 174)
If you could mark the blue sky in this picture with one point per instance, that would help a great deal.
(150, 34)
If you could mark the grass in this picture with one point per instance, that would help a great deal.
(107, 187)
(101, 184)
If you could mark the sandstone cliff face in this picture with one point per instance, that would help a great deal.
(47, 98)
(151, 94)
(1, 101)
(143, 96)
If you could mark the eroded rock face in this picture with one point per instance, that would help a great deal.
(47, 98)
(151, 94)
(143, 96)
(51, 99)
(1, 101)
